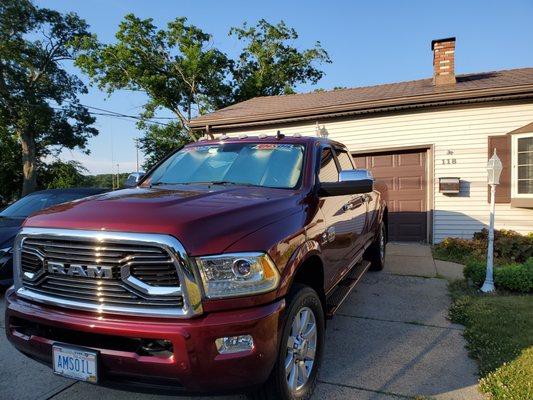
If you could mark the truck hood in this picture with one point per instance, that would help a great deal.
(205, 219)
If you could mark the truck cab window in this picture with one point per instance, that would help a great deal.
(344, 159)
(328, 168)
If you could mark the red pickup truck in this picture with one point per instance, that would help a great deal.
(215, 274)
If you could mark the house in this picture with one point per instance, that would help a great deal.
(413, 134)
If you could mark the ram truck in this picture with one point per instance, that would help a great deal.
(215, 274)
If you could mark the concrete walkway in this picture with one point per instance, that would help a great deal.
(390, 340)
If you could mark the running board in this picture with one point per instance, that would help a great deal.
(343, 289)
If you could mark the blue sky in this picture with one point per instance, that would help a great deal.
(369, 43)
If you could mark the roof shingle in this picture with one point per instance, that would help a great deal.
(469, 86)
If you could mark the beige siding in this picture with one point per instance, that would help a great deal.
(462, 131)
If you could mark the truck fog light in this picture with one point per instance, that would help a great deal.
(234, 344)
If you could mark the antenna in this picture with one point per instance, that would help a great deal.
(279, 135)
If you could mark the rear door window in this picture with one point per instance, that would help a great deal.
(345, 160)
(328, 169)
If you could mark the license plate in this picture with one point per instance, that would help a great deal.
(76, 363)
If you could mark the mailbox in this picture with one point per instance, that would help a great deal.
(449, 185)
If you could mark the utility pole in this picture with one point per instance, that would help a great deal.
(118, 176)
(136, 140)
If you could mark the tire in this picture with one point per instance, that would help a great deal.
(376, 251)
(302, 301)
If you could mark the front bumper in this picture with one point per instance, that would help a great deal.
(193, 365)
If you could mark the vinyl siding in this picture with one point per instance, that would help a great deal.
(463, 131)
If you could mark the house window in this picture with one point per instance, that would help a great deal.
(522, 155)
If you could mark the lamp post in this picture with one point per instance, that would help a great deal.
(494, 170)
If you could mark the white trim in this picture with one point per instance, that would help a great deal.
(514, 166)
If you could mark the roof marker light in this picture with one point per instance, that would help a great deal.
(262, 136)
(297, 135)
(223, 137)
(243, 136)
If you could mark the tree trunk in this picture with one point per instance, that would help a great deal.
(28, 162)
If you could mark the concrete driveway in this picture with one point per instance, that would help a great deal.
(390, 340)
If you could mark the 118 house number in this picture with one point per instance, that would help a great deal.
(449, 161)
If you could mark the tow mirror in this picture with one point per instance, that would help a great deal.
(353, 181)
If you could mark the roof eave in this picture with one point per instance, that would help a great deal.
(478, 95)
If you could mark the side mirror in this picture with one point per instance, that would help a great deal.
(133, 179)
(353, 181)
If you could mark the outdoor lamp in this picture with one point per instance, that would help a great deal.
(494, 170)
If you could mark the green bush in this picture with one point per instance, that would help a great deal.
(509, 246)
(460, 250)
(514, 277)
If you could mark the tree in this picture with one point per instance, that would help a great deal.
(180, 71)
(10, 172)
(177, 68)
(38, 98)
(160, 141)
(61, 175)
(269, 65)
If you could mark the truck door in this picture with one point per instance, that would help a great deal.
(357, 209)
(336, 240)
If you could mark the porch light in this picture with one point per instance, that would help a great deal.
(494, 170)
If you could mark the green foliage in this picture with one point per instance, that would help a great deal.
(38, 98)
(509, 247)
(499, 331)
(182, 72)
(104, 181)
(160, 141)
(514, 277)
(459, 250)
(269, 64)
(176, 67)
(512, 381)
(62, 175)
(10, 172)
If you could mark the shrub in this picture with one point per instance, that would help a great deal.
(460, 250)
(509, 245)
(514, 277)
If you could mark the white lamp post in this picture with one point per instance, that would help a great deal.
(494, 170)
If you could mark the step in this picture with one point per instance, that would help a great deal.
(343, 289)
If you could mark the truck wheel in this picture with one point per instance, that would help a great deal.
(295, 372)
(376, 251)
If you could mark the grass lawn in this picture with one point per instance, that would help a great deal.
(499, 331)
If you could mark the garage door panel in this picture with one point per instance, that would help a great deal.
(411, 159)
(382, 161)
(404, 174)
(411, 182)
(411, 206)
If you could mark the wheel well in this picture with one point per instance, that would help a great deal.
(311, 273)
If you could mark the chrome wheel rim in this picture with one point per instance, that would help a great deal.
(301, 349)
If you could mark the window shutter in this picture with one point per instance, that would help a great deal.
(502, 144)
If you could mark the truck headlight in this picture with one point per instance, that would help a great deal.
(237, 274)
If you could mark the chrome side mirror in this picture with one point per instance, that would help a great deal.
(353, 181)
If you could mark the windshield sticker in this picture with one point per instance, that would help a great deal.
(273, 146)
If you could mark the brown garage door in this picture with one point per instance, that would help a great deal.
(404, 173)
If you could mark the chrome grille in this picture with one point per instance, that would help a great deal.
(144, 279)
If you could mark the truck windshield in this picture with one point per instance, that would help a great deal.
(276, 165)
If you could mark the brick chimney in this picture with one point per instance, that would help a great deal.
(443, 61)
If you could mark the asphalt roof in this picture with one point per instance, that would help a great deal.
(469, 87)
